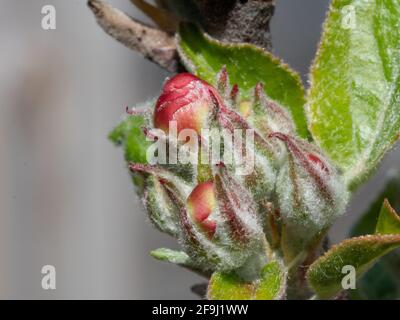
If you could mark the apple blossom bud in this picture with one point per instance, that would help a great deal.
(238, 209)
(268, 116)
(201, 203)
(161, 210)
(186, 100)
(310, 193)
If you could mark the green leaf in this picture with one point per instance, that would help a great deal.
(247, 65)
(180, 258)
(388, 221)
(382, 281)
(173, 256)
(368, 220)
(354, 99)
(272, 284)
(229, 286)
(130, 136)
(325, 274)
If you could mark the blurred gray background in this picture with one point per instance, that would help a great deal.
(65, 195)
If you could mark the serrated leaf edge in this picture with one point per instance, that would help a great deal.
(277, 61)
(388, 239)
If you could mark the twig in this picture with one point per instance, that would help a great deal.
(164, 19)
(237, 20)
(154, 44)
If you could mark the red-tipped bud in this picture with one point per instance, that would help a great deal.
(310, 194)
(201, 203)
(186, 100)
(317, 162)
(237, 207)
(269, 116)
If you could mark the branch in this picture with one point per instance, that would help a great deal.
(238, 20)
(154, 44)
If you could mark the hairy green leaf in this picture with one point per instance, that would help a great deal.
(229, 286)
(382, 281)
(173, 256)
(388, 221)
(272, 283)
(129, 134)
(325, 274)
(179, 258)
(247, 65)
(354, 99)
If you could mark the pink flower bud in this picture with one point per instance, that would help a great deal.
(185, 99)
(201, 203)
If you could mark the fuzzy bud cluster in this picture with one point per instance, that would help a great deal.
(223, 220)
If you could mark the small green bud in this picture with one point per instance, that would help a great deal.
(310, 193)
